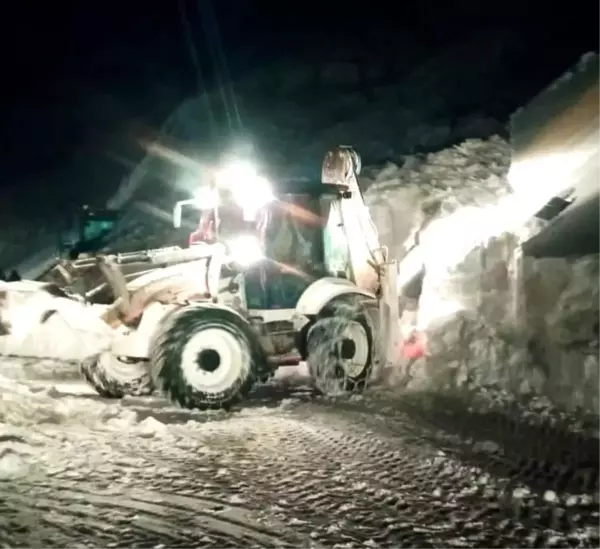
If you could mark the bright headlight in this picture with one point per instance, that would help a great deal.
(245, 249)
(250, 190)
(235, 174)
(251, 198)
(206, 198)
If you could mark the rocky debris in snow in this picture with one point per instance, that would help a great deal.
(405, 199)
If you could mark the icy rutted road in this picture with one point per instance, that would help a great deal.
(286, 470)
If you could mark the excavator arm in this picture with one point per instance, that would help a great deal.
(367, 258)
(372, 269)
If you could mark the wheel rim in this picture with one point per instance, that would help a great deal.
(213, 359)
(353, 349)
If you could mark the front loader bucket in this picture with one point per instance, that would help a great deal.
(53, 319)
(555, 161)
(38, 323)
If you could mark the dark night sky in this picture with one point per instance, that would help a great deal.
(131, 57)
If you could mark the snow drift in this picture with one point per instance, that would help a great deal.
(491, 317)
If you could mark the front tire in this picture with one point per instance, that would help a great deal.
(340, 351)
(205, 357)
(115, 377)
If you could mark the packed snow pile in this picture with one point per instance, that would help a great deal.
(405, 199)
(35, 416)
(489, 316)
(36, 322)
(23, 405)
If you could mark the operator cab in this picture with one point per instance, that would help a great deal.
(296, 228)
(296, 235)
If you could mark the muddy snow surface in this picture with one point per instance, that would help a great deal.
(289, 469)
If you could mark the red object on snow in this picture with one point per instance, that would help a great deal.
(414, 347)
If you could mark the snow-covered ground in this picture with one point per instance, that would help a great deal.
(285, 470)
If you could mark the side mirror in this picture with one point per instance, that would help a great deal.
(178, 208)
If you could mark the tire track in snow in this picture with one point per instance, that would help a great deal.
(155, 513)
(304, 474)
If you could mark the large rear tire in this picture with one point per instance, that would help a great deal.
(339, 345)
(115, 377)
(205, 357)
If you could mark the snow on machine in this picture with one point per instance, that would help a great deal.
(273, 276)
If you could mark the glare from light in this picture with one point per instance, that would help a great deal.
(250, 190)
(535, 182)
(245, 249)
(235, 173)
(542, 176)
(206, 198)
(251, 198)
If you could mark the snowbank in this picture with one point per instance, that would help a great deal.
(491, 317)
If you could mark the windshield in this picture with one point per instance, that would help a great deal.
(301, 240)
(294, 234)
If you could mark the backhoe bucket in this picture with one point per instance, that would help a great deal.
(555, 162)
(389, 333)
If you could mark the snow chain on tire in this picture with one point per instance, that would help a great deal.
(324, 339)
(119, 378)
